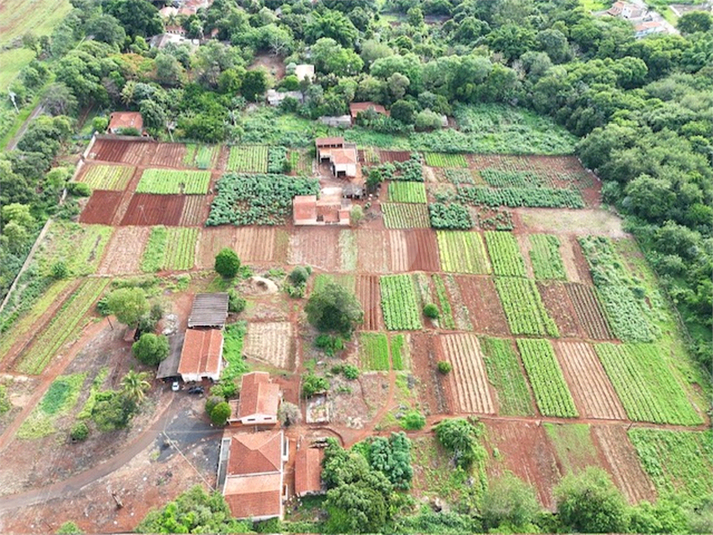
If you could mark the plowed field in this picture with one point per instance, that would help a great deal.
(124, 251)
(413, 250)
(467, 380)
(394, 156)
(431, 391)
(131, 152)
(589, 312)
(593, 393)
(557, 302)
(367, 290)
(101, 207)
(481, 299)
(270, 342)
(255, 244)
(623, 463)
(210, 243)
(195, 210)
(372, 251)
(169, 155)
(316, 247)
(150, 209)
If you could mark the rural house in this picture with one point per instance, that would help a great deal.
(121, 120)
(649, 27)
(342, 157)
(254, 485)
(627, 11)
(202, 355)
(336, 121)
(329, 209)
(275, 98)
(304, 70)
(259, 400)
(209, 310)
(308, 472)
(355, 108)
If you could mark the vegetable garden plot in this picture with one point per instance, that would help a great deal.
(399, 349)
(505, 254)
(148, 209)
(449, 216)
(316, 247)
(645, 384)
(442, 159)
(79, 247)
(590, 385)
(255, 244)
(459, 176)
(462, 252)
(507, 376)
(367, 291)
(372, 251)
(168, 181)
(125, 251)
(402, 216)
(106, 150)
(248, 159)
(588, 311)
(373, 352)
(206, 156)
(170, 249)
(430, 385)
(523, 307)
(410, 192)
(551, 391)
(557, 171)
(64, 326)
(270, 342)
(195, 210)
(446, 319)
(394, 156)
(101, 208)
(399, 304)
(413, 250)
(677, 461)
(467, 379)
(514, 197)
(169, 155)
(107, 177)
(484, 307)
(559, 307)
(545, 257)
(513, 179)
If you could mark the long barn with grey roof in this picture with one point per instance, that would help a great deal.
(209, 310)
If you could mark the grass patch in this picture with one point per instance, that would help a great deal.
(233, 338)
(573, 445)
(447, 321)
(348, 250)
(60, 398)
(97, 384)
(321, 280)
(506, 375)
(79, 247)
(374, 351)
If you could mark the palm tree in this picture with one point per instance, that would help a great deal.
(134, 386)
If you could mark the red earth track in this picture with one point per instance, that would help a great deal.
(150, 209)
(101, 207)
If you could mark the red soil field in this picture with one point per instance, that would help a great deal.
(131, 152)
(150, 209)
(622, 462)
(588, 311)
(413, 250)
(372, 251)
(467, 381)
(101, 207)
(431, 391)
(169, 155)
(483, 303)
(527, 453)
(593, 393)
(316, 247)
(211, 241)
(124, 251)
(394, 156)
(195, 210)
(255, 244)
(367, 291)
(557, 302)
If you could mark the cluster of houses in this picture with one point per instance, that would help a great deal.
(645, 22)
(255, 452)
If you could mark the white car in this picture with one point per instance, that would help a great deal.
(175, 386)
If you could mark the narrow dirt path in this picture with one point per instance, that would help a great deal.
(17, 137)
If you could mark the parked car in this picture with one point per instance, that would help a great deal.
(196, 390)
(175, 386)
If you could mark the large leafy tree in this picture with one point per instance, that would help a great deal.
(334, 308)
(151, 349)
(138, 17)
(128, 305)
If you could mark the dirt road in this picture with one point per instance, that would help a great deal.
(15, 140)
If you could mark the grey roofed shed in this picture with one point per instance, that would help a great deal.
(209, 310)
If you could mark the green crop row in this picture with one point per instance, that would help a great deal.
(514, 197)
(63, 326)
(505, 374)
(171, 181)
(499, 178)
(277, 160)
(551, 391)
(442, 159)
(545, 257)
(79, 247)
(451, 216)
(462, 252)
(108, 177)
(459, 176)
(505, 254)
(647, 388)
(257, 199)
(525, 312)
(206, 156)
(446, 320)
(678, 462)
(401, 191)
(248, 159)
(403, 215)
(374, 351)
(399, 303)
(170, 249)
(399, 352)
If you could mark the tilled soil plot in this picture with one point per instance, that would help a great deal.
(270, 342)
(124, 251)
(413, 250)
(589, 312)
(527, 453)
(169, 155)
(623, 463)
(211, 241)
(394, 156)
(316, 247)
(255, 244)
(593, 393)
(195, 210)
(150, 209)
(431, 391)
(557, 302)
(101, 207)
(372, 251)
(131, 152)
(481, 299)
(367, 290)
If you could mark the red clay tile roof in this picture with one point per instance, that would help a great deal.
(254, 496)
(258, 395)
(308, 471)
(344, 156)
(126, 119)
(202, 351)
(358, 107)
(304, 207)
(255, 453)
(328, 141)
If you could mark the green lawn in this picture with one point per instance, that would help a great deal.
(38, 16)
(11, 63)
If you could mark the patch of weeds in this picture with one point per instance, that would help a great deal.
(59, 399)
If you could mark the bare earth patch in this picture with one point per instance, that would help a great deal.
(579, 222)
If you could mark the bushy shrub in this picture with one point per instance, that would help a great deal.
(78, 189)
(79, 432)
(312, 384)
(236, 304)
(59, 270)
(413, 421)
(220, 413)
(299, 275)
(444, 367)
(227, 263)
(330, 344)
(431, 311)
(350, 371)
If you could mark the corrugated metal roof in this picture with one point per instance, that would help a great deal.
(209, 310)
